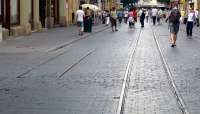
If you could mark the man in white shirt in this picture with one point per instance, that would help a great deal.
(197, 17)
(80, 18)
(125, 16)
(190, 22)
(154, 14)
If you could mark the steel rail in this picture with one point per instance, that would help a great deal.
(174, 89)
(120, 107)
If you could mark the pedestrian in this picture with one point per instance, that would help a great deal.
(150, 14)
(113, 19)
(73, 17)
(131, 20)
(107, 18)
(174, 23)
(80, 19)
(159, 16)
(88, 20)
(134, 12)
(142, 17)
(147, 15)
(120, 16)
(154, 14)
(103, 17)
(197, 17)
(190, 22)
(125, 16)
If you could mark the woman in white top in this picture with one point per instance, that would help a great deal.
(190, 22)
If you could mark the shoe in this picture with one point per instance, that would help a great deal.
(172, 45)
(116, 30)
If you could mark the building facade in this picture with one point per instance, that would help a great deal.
(22, 17)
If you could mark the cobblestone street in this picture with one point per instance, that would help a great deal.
(67, 74)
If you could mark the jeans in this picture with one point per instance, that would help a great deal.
(154, 20)
(197, 22)
(142, 22)
(189, 28)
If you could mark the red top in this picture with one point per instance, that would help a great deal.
(134, 13)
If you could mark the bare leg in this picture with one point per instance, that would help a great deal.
(171, 38)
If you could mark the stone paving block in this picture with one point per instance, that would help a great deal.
(149, 91)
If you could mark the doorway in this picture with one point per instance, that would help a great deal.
(5, 13)
(55, 11)
(31, 14)
(42, 11)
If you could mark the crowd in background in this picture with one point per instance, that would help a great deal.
(157, 16)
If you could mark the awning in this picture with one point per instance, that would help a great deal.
(91, 6)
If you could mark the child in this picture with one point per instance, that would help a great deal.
(131, 22)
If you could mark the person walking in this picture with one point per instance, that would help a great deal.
(107, 18)
(174, 23)
(113, 19)
(150, 15)
(88, 20)
(120, 16)
(197, 17)
(190, 22)
(134, 12)
(80, 19)
(142, 17)
(103, 17)
(159, 16)
(125, 16)
(147, 15)
(154, 14)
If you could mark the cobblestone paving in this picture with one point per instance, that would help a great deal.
(91, 87)
(149, 91)
(184, 62)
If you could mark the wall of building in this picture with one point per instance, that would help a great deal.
(66, 16)
(24, 27)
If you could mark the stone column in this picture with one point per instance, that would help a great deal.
(24, 17)
(62, 12)
(36, 16)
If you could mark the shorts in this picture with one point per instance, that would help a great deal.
(174, 28)
(80, 24)
(113, 22)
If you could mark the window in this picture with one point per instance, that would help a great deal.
(14, 12)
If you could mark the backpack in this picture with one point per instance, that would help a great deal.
(174, 16)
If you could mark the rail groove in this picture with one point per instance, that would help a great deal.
(60, 75)
(122, 97)
(171, 82)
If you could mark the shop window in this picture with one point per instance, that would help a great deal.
(14, 12)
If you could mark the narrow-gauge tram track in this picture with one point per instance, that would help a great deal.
(120, 107)
(173, 88)
(178, 100)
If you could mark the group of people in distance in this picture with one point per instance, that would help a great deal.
(84, 20)
(155, 15)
